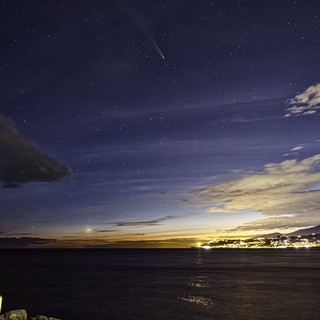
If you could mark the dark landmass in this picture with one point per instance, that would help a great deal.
(302, 232)
(303, 238)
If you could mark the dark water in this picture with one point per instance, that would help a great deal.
(162, 284)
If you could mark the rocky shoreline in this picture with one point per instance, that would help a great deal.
(22, 315)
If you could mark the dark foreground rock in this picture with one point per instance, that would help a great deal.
(22, 315)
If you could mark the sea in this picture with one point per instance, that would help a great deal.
(162, 284)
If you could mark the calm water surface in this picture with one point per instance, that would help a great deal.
(162, 284)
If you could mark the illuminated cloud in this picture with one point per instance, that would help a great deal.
(283, 191)
(305, 103)
(297, 148)
(293, 151)
(21, 161)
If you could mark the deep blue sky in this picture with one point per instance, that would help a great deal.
(87, 83)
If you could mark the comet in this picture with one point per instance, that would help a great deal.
(141, 24)
(154, 43)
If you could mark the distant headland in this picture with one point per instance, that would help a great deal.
(303, 238)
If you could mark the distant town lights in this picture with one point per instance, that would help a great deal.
(279, 242)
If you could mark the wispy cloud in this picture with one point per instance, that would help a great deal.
(103, 230)
(283, 223)
(305, 103)
(283, 191)
(294, 150)
(297, 148)
(143, 223)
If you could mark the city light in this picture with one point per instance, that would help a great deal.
(279, 242)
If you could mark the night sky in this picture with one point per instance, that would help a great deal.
(181, 121)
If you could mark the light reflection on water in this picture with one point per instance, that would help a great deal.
(205, 302)
(199, 282)
(164, 284)
(249, 286)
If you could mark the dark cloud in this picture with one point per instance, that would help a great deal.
(23, 242)
(103, 230)
(21, 161)
(152, 222)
